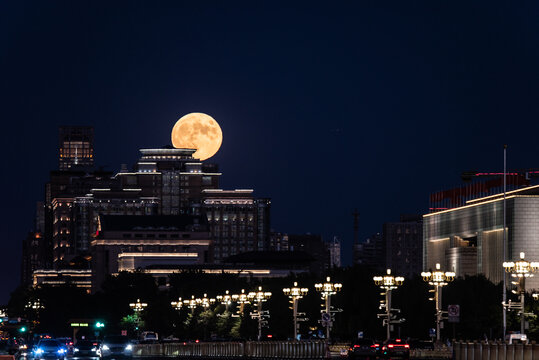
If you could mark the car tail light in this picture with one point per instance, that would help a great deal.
(356, 346)
(375, 345)
(407, 346)
(390, 346)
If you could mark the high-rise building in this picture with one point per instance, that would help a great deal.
(371, 253)
(174, 177)
(238, 221)
(76, 147)
(165, 181)
(403, 245)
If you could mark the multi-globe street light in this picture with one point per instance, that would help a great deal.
(137, 308)
(295, 293)
(177, 304)
(242, 299)
(520, 270)
(388, 283)
(258, 297)
(327, 289)
(438, 279)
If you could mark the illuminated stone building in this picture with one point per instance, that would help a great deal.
(174, 177)
(164, 181)
(238, 221)
(129, 243)
(469, 239)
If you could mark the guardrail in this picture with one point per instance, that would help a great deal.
(494, 351)
(250, 349)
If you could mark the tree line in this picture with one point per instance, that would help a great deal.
(359, 300)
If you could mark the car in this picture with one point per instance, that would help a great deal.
(148, 337)
(68, 343)
(49, 349)
(86, 349)
(364, 348)
(396, 348)
(116, 346)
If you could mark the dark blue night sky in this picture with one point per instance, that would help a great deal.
(324, 106)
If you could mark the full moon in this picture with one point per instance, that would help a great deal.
(197, 131)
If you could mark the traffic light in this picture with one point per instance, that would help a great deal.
(23, 329)
(99, 324)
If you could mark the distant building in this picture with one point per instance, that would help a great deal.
(334, 248)
(371, 253)
(76, 147)
(314, 246)
(403, 245)
(238, 222)
(469, 239)
(33, 248)
(278, 242)
(164, 181)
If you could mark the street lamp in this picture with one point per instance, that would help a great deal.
(295, 293)
(191, 303)
(137, 308)
(327, 289)
(241, 299)
(388, 283)
(438, 279)
(258, 297)
(206, 302)
(177, 304)
(521, 270)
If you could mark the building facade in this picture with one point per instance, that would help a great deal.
(469, 239)
(403, 245)
(137, 242)
(238, 221)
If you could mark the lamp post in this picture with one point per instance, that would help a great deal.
(241, 299)
(258, 297)
(191, 303)
(327, 289)
(520, 270)
(177, 304)
(438, 279)
(137, 308)
(388, 283)
(225, 299)
(206, 302)
(295, 293)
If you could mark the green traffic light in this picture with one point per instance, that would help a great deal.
(23, 329)
(99, 324)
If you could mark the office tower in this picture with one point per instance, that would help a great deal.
(371, 253)
(76, 147)
(238, 221)
(403, 245)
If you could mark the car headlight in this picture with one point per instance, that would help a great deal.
(61, 351)
(105, 347)
(75, 349)
(129, 347)
(94, 349)
(38, 351)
